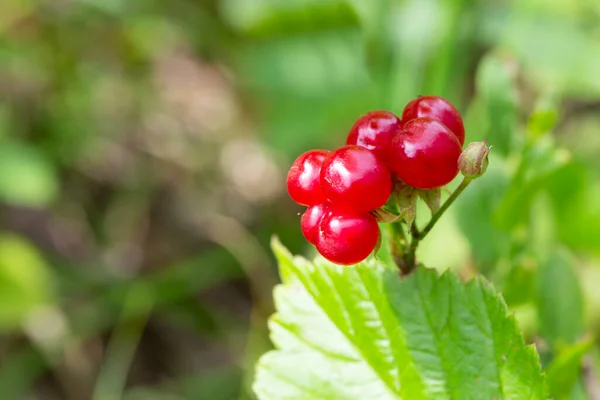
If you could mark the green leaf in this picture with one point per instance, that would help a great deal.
(564, 371)
(432, 198)
(25, 281)
(475, 208)
(575, 193)
(362, 333)
(539, 163)
(543, 118)
(559, 299)
(519, 284)
(406, 200)
(264, 18)
(27, 178)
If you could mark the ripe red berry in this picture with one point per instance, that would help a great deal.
(425, 155)
(303, 180)
(354, 177)
(310, 221)
(437, 108)
(347, 238)
(375, 131)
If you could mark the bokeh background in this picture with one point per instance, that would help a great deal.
(144, 146)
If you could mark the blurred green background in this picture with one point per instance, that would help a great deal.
(143, 155)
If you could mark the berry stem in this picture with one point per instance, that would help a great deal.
(410, 257)
(408, 263)
(398, 243)
(414, 231)
(463, 185)
(397, 232)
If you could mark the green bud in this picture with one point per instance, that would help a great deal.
(474, 160)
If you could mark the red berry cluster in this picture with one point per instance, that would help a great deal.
(343, 186)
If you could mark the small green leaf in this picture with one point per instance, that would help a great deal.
(27, 178)
(540, 162)
(543, 118)
(407, 202)
(432, 198)
(575, 193)
(564, 371)
(25, 280)
(361, 332)
(519, 284)
(266, 18)
(559, 299)
(384, 216)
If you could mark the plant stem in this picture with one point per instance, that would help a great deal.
(414, 231)
(398, 230)
(408, 263)
(410, 257)
(463, 185)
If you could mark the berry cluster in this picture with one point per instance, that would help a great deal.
(341, 188)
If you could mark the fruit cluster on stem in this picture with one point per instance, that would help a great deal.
(349, 190)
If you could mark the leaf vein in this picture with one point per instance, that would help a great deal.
(491, 336)
(438, 339)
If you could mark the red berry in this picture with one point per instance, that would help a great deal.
(303, 180)
(346, 237)
(437, 108)
(425, 155)
(375, 131)
(310, 221)
(354, 177)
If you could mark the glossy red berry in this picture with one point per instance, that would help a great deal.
(303, 180)
(437, 108)
(355, 178)
(425, 155)
(310, 221)
(375, 131)
(347, 238)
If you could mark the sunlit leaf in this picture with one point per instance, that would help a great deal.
(559, 299)
(25, 280)
(362, 333)
(267, 17)
(565, 369)
(26, 177)
(544, 117)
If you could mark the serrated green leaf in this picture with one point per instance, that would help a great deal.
(559, 299)
(362, 333)
(564, 371)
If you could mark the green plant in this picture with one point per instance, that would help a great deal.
(388, 327)
(363, 333)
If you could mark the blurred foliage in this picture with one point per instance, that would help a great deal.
(143, 153)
